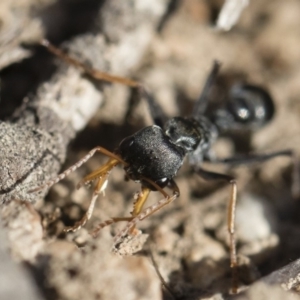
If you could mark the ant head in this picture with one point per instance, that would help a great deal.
(183, 133)
(251, 105)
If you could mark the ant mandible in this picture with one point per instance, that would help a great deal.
(154, 154)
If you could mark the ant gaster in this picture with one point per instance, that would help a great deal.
(154, 154)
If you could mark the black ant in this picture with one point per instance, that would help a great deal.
(153, 155)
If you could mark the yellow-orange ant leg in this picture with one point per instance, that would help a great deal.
(140, 201)
(102, 175)
(137, 207)
(148, 212)
(231, 230)
(111, 163)
(139, 204)
(208, 175)
(101, 183)
(76, 166)
(142, 198)
(100, 187)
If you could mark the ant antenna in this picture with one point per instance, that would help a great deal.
(201, 104)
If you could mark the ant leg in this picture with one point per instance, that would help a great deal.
(102, 175)
(207, 175)
(142, 197)
(254, 158)
(61, 176)
(108, 222)
(137, 206)
(111, 163)
(140, 201)
(100, 186)
(158, 116)
(148, 212)
(201, 104)
(90, 71)
(156, 112)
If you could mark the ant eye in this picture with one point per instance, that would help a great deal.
(243, 113)
(241, 110)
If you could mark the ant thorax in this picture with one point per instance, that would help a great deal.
(194, 135)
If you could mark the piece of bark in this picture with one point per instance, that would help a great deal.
(288, 276)
(275, 285)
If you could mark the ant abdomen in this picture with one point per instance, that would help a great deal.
(248, 106)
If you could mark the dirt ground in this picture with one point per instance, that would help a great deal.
(169, 47)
